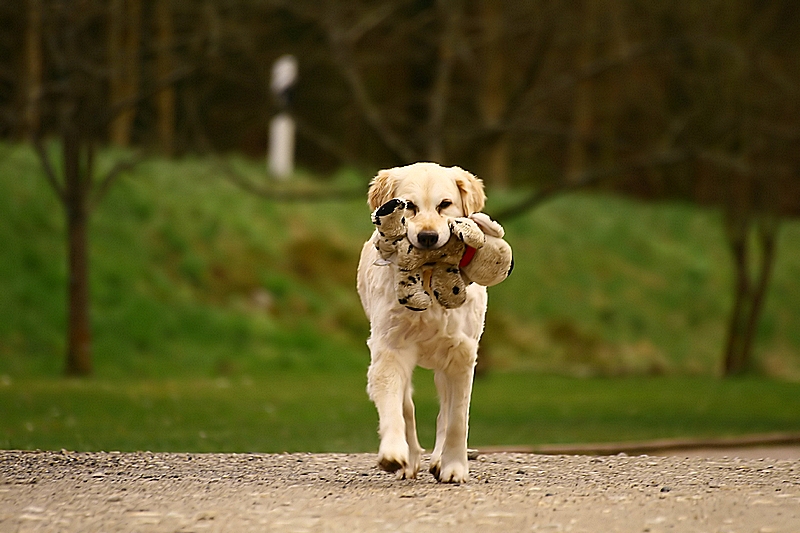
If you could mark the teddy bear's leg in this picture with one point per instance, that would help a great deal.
(410, 291)
(448, 287)
(491, 264)
(389, 219)
(467, 231)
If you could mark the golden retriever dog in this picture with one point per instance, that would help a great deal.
(443, 340)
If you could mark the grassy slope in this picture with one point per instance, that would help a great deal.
(192, 276)
(609, 286)
(189, 277)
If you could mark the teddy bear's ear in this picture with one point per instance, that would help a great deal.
(381, 190)
(471, 187)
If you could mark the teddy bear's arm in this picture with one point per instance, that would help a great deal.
(488, 226)
(467, 231)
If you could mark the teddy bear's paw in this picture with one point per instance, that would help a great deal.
(395, 204)
(418, 301)
(450, 300)
(390, 221)
(467, 231)
(449, 289)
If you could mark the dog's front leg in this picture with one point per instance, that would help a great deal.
(440, 379)
(388, 378)
(449, 460)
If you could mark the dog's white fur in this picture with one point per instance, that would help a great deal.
(445, 341)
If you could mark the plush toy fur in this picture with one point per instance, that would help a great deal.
(492, 262)
(448, 281)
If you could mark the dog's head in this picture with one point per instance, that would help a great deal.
(434, 194)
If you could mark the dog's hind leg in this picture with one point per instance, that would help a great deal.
(388, 378)
(414, 449)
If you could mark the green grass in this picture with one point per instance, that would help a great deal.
(225, 322)
(290, 412)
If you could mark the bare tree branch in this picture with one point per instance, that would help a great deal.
(159, 85)
(588, 178)
(725, 161)
(341, 48)
(370, 20)
(534, 68)
(327, 143)
(102, 187)
(768, 66)
(440, 93)
(278, 194)
(601, 66)
(49, 171)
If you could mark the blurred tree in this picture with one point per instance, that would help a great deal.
(75, 96)
(711, 117)
(76, 92)
(744, 90)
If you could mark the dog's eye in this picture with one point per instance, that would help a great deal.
(411, 206)
(444, 205)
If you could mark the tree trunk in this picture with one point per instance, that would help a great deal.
(116, 80)
(496, 161)
(749, 294)
(123, 50)
(493, 98)
(79, 337)
(737, 236)
(165, 100)
(582, 117)
(768, 229)
(32, 76)
(450, 15)
(614, 93)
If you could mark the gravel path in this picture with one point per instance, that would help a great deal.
(86, 492)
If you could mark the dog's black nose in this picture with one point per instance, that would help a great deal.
(427, 238)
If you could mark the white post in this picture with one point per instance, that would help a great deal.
(281, 128)
(281, 146)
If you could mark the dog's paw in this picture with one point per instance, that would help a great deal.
(393, 465)
(448, 469)
(436, 466)
(395, 459)
(452, 472)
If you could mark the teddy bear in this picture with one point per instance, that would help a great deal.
(462, 260)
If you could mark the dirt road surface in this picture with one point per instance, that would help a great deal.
(130, 492)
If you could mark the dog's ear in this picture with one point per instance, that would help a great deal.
(382, 188)
(472, 195)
